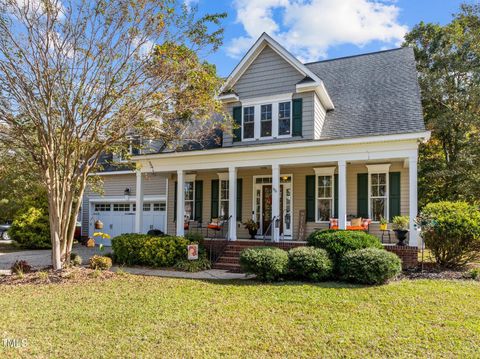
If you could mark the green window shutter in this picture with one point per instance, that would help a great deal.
(237, 118)
(297, 117)
(362, 195)
(214, 199)
(239, 198)
(394, 194)
(310, 198)
(175, 203)
(335, 196)
(198, 200)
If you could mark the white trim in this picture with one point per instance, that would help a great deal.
(387, 195)
(228, 98)
(319, 89)
(257, 48)
(123, 199)
(223, 176)
(266, 100)
(112, 173)
(292, 145)
(190, 177)
(325, 171)
(383, 168)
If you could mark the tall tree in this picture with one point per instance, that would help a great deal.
(448, 61)
(77, 77)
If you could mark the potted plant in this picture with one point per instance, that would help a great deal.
(252, 227)
(400, 227)
(383, 224)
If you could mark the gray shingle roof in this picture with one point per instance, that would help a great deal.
(373, 94)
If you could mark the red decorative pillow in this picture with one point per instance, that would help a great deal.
(366, 222)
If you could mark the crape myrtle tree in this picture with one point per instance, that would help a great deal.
(78, 77)
(448, 62)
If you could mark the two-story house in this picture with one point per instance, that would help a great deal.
(333, 139)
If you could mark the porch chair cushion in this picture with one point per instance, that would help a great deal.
(215, 224)
(356, 222)
(366, 223)
(333, 223)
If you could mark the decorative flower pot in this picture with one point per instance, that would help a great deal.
(383, 227)
(253, 233)
(401, 235)
(98, 224)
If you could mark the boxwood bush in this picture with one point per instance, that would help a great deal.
(370, 266)
(31, 229)
(337, 243)
(267, 263)
(100, 262)
(451, 231)
(309, 263)
(142, 249)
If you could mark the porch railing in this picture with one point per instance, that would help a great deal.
(217, 248)
(269, 229)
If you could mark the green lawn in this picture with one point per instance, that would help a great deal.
(131, 316)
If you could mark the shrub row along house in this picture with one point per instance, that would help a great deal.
(317, 144)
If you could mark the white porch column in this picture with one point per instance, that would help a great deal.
(413, 205)
(180, 203)
(232, 203)
(139, 203)
(342, 194)
(275, 230)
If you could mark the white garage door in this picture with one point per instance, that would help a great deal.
(119, 218)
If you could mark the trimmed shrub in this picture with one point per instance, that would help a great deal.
(142, 249)
(267, 263)
(337, 243)
(75, 259)
(100, 262)
(309, 263)
(194, 237)
(451, 231)
(370, 266)
(31, 229)
(197, 265)
(21, 267)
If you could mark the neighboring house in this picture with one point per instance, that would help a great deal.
(329, 139)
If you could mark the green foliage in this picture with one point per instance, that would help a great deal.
(448, 59)
(401, 223)
(31, 229)
(337, 243)
(142, 249)
(370, 266)
(75, 259)
(194, 237)
(267, 263)
(309, 263)
(474, 273)
(21, 267)
(197, 265)
(451, 231)
(100, 262)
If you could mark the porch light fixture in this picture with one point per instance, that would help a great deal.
(126, 192)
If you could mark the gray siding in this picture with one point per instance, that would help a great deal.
(269, 74)
(114, 185)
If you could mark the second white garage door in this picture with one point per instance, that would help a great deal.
(119, 218)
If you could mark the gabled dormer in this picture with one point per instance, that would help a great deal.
(273, 97)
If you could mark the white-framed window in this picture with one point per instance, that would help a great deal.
(324, 193)
(248, 130)
(146, 207)
(223, 199)
(378, 191)
(102, 207)
(284, 119)
(159, 207)
(266, 120)
(121, 207)
(189, 200)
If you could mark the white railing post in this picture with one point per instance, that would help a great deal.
(413, 200)
(180, 203)
(275, 230)
(342, 194)
(139, 203)
(232, 203)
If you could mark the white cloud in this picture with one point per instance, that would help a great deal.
(190, 3)
(308, 28)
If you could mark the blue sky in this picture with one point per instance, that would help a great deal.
(319, 29)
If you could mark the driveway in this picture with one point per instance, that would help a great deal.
(42, 258)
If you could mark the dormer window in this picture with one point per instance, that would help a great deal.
(249, 122)
(284, 119)
(266, 121)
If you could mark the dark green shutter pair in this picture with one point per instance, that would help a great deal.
(297, 110)
(393, 199)
(310, 197)
(215, 201)
(198, 201)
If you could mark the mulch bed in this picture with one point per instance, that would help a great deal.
(432, 273)
(48, 276)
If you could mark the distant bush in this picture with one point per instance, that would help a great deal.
(75, 259)
(21, 267)
(370, 266)
(337, 243)
(451, 231)
(142, 249)
(309, 263)
(100, 262)
(196, 265)
(267, 263)
(31, 229)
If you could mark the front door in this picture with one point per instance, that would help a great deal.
(266, 209)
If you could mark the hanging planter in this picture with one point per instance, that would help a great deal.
(98, 224)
